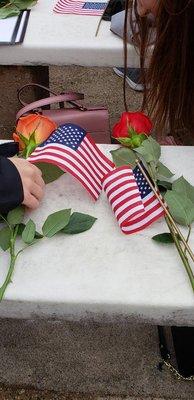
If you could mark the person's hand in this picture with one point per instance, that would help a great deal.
(33, 184)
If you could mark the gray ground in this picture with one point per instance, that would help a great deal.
(22, 394)
(96, 360)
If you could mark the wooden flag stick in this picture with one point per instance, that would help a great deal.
(100, 20)
(166, 210)
(99, 23)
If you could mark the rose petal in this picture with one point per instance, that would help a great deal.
(38, 124)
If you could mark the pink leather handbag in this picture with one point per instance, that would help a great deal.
(94, 119)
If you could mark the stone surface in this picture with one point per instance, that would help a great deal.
(64, 278)
(53, 39)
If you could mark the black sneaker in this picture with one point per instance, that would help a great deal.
(133, 78)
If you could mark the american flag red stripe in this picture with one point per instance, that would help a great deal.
(133, 211)
(75, 162)
(80, 7)
(87, 163)
(94, 155)
(75, 167)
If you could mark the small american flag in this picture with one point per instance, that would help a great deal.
(80, 7)
(134, 203)
(73, 150)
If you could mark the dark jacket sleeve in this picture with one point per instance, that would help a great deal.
(11, 189)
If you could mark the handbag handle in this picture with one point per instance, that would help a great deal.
(69, 97)
(19, 91)
(56, 98)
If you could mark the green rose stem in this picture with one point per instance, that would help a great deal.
(181, 253)
(13, 258)
(6, 5)
(166, 211)
(188, 236)
(60, 221)
(174, 230)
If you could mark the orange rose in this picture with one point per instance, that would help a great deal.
(33, 130)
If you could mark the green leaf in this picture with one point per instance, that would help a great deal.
(164, 184)
(21, 227)
(23, 4)
(28, 233)
(5, 237)
(163, 171)
(23, 138)
(131, 131)
(123, 156)
(50, 172)
(132, 142)
(150, 150)
(181, 208)
(163, 238)
(11, 8)
(10, 11)
(79, 223)
(31, 145)
(38, 235)
(15, 216)
(182, 186)
(125, 141)
(56, 222)
(137, 140)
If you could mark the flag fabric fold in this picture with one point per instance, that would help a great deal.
(95, 8)
(132, 200)
(73, 150)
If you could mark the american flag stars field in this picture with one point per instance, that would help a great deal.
(73, 150)
(80, 7)
(132, 200)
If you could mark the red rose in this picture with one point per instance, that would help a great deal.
(137, 121)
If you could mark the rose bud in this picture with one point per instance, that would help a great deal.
(138, 122)
(32, 130)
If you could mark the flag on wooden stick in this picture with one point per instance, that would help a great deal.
(95, 8)
(73, 150)
(134, 203)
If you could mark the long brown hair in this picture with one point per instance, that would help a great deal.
(168, 67)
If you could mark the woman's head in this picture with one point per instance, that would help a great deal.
(171, 68)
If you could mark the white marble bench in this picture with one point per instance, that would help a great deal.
(101, 271)
(53, 39)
